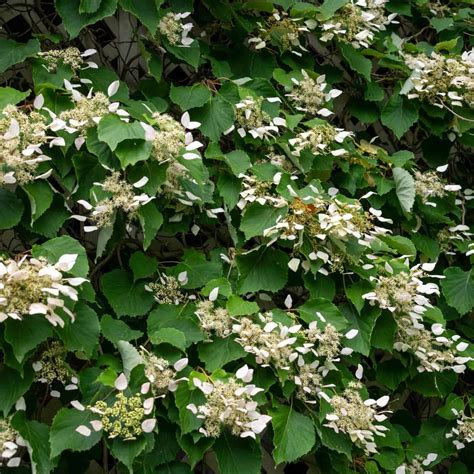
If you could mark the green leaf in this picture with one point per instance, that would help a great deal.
(258, 218)
(74, 21)
(155, 65)
(399, 114)
(190, 97)
(458, 289)
(238, 161)
(219, 352)
(190, 55)
(126, 297)
(364, 324)
(40, 195)
(293, 434)
(146, 12)
(13, 387)
(151, 220)
(10, 96)
(142, 265)
(26, 334)
(237, 455)
(63, 435)
(115, 330)
(112, 131)
(12, 53)
(328, 310)
(83, 334)
(262, 269)
(183, 397)
(53, 250)
(89, 6)
(441, 24)
(37, 436)
(329, 7)
(446, 45)
(434, 384)
(177, 317)
(174, 467)
(131, 358)
(199, 269)
(216, 116)
(195, 450)
(405, 188)
(401, 244)
(170, 336)
(127, 451)
(357, 61)
(11, 209)
(355, 292)
(391, 373)
(132, 151)
(236, 306)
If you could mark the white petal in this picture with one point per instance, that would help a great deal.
(352, 333)
(149, 425)
(113, 88)
(214, 294)
(83, 430)
(38, 102)
(180, 364)
(141, 182)
(121, 383)
(382, 401)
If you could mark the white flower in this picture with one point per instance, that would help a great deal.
(311, 96)
(230, 404)
(33, 286)
(174, 30)
(253, 119)
(357, 22)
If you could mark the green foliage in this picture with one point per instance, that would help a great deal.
(237, 238)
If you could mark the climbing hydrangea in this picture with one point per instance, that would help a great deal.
(237, 236)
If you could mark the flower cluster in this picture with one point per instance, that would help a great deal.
(260, 191)
(320, 139)
(251, 117)
(279, 346)
(407, 297)
(87, 112)
(172, 28)
(120, 197)
(33, 286)
(52, 368)
(323, 219)
(123, 416)
(172, 137)
(441, 80)
(358, 418)
(21, 138)
(310, 95)
(429, 185)
(229, 403)
(434, 351)
(213, 320)
(463, 432)
(417, 465)
(162, 374)
(71, 57)
(10, 443)
(167, 290)
(283, 31)
(357, 22)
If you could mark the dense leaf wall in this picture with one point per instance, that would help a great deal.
(236, 236)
